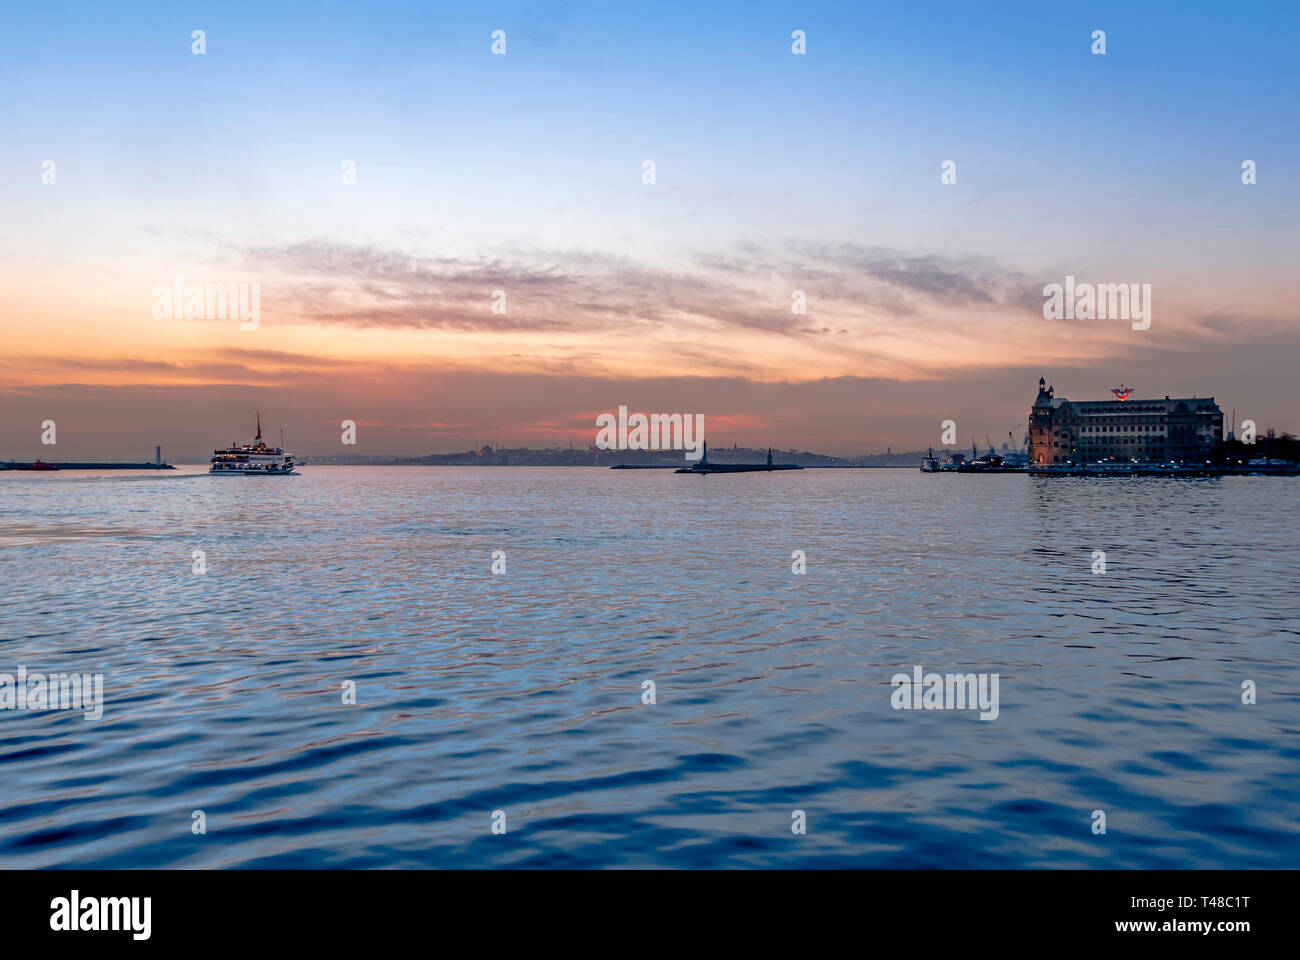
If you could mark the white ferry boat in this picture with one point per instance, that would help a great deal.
(252, 458)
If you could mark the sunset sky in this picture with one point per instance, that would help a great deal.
(523, 173)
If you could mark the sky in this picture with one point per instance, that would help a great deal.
(523, 173)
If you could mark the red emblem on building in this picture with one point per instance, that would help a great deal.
(1122, 392)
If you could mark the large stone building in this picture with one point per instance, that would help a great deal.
(1184, 430)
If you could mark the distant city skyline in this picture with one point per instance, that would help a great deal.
(778, 178)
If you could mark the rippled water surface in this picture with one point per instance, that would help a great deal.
(521, 692)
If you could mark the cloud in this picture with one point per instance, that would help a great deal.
(574, 292)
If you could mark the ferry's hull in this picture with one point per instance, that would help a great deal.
(251, 469)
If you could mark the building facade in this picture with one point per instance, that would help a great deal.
(1184, 430)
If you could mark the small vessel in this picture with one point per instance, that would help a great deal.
(256, 458)
(38, 465)
(930, 464)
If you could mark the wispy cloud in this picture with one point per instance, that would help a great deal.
(750, 289)
(869, 309)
